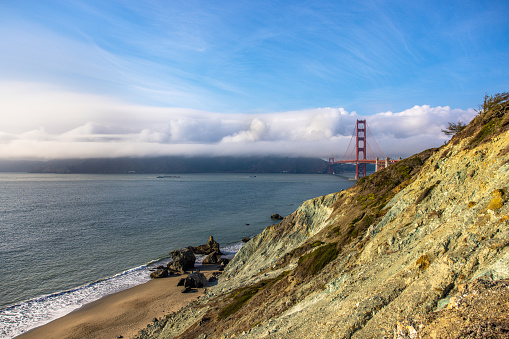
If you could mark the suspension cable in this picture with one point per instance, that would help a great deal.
(376, 143)
(353, 134)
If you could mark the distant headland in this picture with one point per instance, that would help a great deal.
(176, 164)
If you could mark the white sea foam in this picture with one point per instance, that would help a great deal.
(20, 318)
(230, 250)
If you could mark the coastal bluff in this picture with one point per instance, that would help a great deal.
(417, 250)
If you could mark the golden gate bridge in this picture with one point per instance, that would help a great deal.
(360, 149)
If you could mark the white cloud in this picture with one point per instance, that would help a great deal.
(256, 132)
(44, 122)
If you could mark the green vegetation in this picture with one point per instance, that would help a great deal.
(453, 128)
(243, 295)
(497, 104)
(312, 263)
(405, 171)
(492, 119)
(485, 131)
(353, 233)
(335, 231)
(316, 243)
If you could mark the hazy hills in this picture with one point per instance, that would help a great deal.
(175, 164)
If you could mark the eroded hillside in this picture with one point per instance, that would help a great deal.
(416, 250)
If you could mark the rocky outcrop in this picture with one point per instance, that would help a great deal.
(212, 258)
(210, 247)
(196, 280)
(159, 273)
(183, 260)
(417, 250)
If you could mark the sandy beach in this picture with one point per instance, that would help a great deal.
(124, 313)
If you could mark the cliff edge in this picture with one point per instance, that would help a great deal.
(417, 250)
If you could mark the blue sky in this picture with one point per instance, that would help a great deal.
(116, 78)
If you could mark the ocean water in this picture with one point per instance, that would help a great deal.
(67, 240)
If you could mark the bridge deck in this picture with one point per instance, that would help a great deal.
(365, 161)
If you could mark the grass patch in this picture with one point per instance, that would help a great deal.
(243, 295)
(353, 233)
(316, 243)
(334, 231)
(312, 263)
(485, 131)
(404, 171)
(492, 120)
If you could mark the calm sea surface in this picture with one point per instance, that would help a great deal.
(66, 240)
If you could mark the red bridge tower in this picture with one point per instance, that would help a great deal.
(361, 152)
(360, 147)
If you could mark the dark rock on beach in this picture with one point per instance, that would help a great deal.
(276, 216)
(244, 240)
(195, 280)
(183, 260)
(212, 258)
(210, 247)
(159, 273)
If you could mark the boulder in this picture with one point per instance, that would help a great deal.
(159, 273)
(224, 261)
(276, 216)
(209, 247)
(181, 282)
(195, 280)
(244, 240)
(183, 259)
(212, 258)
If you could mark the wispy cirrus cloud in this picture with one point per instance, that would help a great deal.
(261, 57)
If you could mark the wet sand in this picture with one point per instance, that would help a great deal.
(122, 314)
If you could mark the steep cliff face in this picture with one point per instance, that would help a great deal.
(416, 250)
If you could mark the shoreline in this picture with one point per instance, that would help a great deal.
(122, 314)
